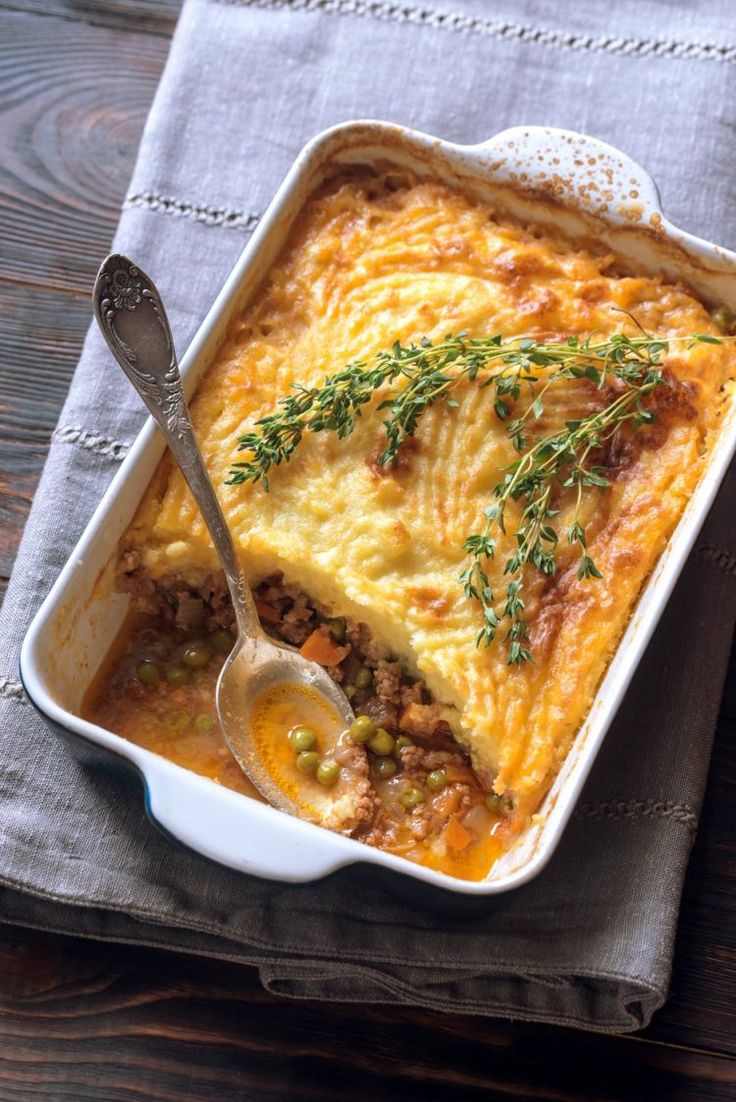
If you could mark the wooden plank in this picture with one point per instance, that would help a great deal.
(701, 1009)
(40, 337)
(88, 1021)
(67, 158)
(143, 16)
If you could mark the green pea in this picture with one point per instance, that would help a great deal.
(436, 780)
(494, 803)
(401, 743)
(307, 761)
(350, 690)
(196, 656)
(362, 728)
(411, 797)
(159, 649)
(147, 672)
(176, 721)
(363, 678)
(724, 318)
(203, 723)
(381, 742)
(327, 772)
(302, 738)
(177, 675)
(337, 628)
(222, 641)
(385, 767)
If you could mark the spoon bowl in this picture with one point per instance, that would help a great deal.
(133, 321)
(246, 678)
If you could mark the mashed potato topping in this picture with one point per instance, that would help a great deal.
(372, 260)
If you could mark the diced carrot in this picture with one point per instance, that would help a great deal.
(268, 612)
(456, 835)
(322, 648)
(447, 801)
(412, 717)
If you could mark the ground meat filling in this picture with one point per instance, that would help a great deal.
(378, 685)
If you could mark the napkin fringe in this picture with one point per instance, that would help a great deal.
(90, 441)
(490, 28)
(12, 690)
(230, 217)
(639, 809)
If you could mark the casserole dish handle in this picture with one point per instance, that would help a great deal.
(576, 170)
(263, 842)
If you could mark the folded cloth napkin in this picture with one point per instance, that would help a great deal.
(589, 942)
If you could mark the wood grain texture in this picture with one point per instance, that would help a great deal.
(701, 1009)
(86, 1021)
(40, 337)
(157, 17)
(67, 158)
(73, 101)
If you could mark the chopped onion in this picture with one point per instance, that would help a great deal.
(476, 819)
(190, 611)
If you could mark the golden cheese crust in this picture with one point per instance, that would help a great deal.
(370, 262)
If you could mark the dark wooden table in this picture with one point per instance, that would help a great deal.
(83, 1020)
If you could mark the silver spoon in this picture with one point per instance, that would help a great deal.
(133, 321)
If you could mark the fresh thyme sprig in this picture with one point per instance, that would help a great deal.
(560, 459)
(410, 378)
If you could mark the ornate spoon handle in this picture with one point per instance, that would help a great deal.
(133, 321)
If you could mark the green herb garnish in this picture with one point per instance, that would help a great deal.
(410, 378)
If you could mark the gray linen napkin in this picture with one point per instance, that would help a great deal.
(590, 941)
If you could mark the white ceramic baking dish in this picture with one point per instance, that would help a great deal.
(549, 176)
